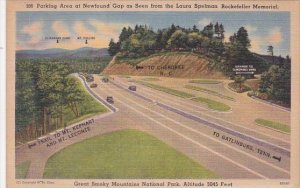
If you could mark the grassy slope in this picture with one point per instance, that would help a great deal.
(124, 76)
(150, 79)
(22, 169)
(205, 81)
(209, 92)
(89, 107)
(236, 88)
(273, 125)
(214, 105)
(123, 154)
(166, 89)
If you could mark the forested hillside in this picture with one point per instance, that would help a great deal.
(143, 41)
(48, 97)
(136, 44)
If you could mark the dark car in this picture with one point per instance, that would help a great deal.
(105, 79)
(93, 85)
(110, 99)
(89, 78)
(132, 88)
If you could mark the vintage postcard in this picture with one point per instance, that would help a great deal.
(153, 94)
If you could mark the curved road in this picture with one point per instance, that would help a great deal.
(176, 122)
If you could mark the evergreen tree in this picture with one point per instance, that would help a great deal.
(276, 82)
(222, 31)
(25, 96)
(195, 29)
(113, 48)
(208, 31)
(217, 29)
(242, 38)
(271, 52)
(237, 51)
(125, 34)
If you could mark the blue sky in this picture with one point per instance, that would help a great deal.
(265, 28)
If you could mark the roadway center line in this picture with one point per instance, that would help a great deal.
(215, 125)
(193, 141)
(193, 130)
(232, 124)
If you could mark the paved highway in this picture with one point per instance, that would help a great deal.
(228, 149)
(168, 119)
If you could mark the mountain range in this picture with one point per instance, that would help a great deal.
(63, 53)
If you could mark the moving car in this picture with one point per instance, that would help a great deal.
(93, 85)
(110, 99)
(132, 88)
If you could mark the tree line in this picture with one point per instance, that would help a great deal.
(276, 82)
(43, 90)
(90, 65)
(143, 41)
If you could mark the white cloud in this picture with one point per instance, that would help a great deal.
(275, 36)
(227, 34)
(35, 32)
(109, 30)
(257, 44)
(102, 32)
(204, 22)
(60, 29)
(251, 28)
(105, 29)
(260, 43)
(81, 29)
(33, 28)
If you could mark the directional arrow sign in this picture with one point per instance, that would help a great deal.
(139, 67)
(277, 158)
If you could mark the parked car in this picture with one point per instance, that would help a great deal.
(105, 79)
(89, 78)
(132, 88)
(110, 99)
(93, 85)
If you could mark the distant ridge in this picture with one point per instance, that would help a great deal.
(63, 53)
